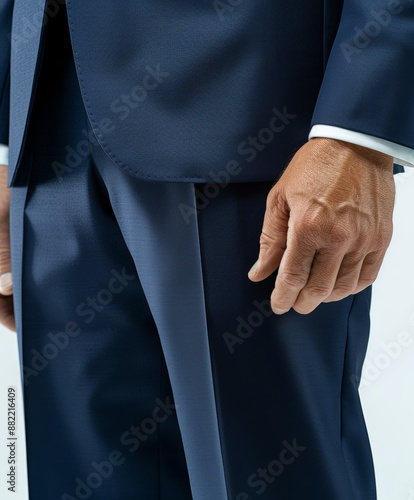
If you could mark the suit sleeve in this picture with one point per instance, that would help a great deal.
(369, 78)
(6, 9)
(402, 156)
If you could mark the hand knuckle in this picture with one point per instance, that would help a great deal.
(373, 259)
(386, 236)
(317, 291)
(264, 240)
(366, 281)
(310, 225)
(343, 290)
(273, 199)
(341, 234)
(293, 280)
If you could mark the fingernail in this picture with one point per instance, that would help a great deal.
(254, 269)
(6, 281)
(280, 311)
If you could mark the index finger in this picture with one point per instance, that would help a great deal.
(293, 274)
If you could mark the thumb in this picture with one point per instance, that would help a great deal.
(6, 285)
(6, 281)
(272, 239)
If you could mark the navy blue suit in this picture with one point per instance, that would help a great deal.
(152, 367)
(227, 72)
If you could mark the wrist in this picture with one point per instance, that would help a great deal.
(362, 154)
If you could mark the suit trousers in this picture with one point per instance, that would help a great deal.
(153, 368)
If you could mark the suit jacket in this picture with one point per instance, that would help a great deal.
(218, 90)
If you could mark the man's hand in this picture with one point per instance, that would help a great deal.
(6, 286)
(327, 226)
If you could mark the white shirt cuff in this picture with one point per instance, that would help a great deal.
(401, 154)
(4, 155)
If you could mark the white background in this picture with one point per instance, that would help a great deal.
(387, 387)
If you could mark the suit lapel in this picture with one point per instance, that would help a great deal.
(26, 38)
